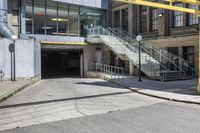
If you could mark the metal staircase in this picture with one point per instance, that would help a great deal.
(156, 63)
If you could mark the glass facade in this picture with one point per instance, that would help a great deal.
(63, 21)
(39, 17)
(90, 18)
(29, 17)
(51, 18)
(45, 17)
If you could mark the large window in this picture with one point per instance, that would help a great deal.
(47, 17)
(73, 20)
(193, 18)
(39, 17)
(178, 17)
(63, 19)
(154, 18)
(51, 18)
(125, 19)
(143, 19)
(90, 17)
(116, 18)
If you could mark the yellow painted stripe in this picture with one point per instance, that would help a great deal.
(63, 43)
(160, 5)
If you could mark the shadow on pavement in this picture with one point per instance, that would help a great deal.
(64, 99)
(102, 84)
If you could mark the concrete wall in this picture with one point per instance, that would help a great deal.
(89, 56)
(52, 38)
(28, 59)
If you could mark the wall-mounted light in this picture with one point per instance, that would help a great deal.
(161, 14)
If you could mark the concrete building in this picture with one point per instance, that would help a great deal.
(53, 42)
(51, 37)
(174, 31)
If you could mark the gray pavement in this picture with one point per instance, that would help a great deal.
(165, 117)
(182, 90)
(9, 88)
(60, 99)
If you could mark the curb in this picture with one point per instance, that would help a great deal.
(18, 89)
(151, 95)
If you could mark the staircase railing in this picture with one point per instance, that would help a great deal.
(150, 66)
(170, 60)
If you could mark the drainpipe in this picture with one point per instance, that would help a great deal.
(5, 31)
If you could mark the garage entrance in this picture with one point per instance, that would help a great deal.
(61, 63)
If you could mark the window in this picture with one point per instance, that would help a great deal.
(73, 20)
(63, 19)
(116, 19)
(39, 17)
(125, 19)
(143, 19)
(154, 18)
(47, 17)
(193, 18)
(178, 17)
(28, 16)
(51, 16)
(89, 17)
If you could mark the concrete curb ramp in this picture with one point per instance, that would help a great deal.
(18, 89)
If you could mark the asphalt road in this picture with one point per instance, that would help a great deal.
(165, 117)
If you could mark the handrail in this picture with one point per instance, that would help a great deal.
(113, 71)
(154, 62)
(150, 65)
(144, 50)
(158, 48)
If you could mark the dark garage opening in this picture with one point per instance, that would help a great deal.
(60, 63)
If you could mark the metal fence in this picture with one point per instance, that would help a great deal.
(111, 72)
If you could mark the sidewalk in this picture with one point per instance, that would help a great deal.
(182, 91)
(8, 88)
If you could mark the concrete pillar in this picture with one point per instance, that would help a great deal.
(180, 52)
(106, 56)
(138, 19)
(120, 19)
(130, 20)
(161, 26)
(134, 21)
(131, 68)
(98, 55)
(10, 19)
(110, 15)
(127, 66)
(148, 19)
(81, 66)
